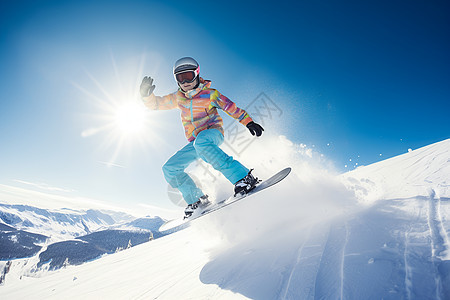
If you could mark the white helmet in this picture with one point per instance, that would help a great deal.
(185, 64)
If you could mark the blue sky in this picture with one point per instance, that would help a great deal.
(353, 80)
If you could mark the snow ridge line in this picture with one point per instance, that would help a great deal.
(437, 241)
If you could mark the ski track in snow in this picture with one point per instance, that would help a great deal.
(295, 265)
(438, 238)
(330, 277)
(343, 260)
(441, 227)
(303, 274)
(408, 275)
(181, 279)
(409, 250)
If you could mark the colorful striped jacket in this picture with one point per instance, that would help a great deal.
(199, 108)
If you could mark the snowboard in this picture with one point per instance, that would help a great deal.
(200, 212)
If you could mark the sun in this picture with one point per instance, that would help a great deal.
(123, 126)
(130, 119)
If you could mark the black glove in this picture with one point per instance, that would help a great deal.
(147, 86)
(255, 128)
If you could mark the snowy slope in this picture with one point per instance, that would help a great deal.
(417, 173)
(309, 237)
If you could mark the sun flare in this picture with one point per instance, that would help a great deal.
(130, 119)
(120, 118)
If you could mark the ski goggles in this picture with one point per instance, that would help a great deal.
(187, 76)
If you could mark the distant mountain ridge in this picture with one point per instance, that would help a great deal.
(60, 224)
(42, 239)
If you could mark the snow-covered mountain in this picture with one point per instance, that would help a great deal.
(18, 243)
(378, 232)
(148, 223)
(90, 247)
(59, 224)
(39, 239)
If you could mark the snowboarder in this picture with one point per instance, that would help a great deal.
(198, 103)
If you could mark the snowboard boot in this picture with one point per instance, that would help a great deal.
(202, 202)
(246, 184)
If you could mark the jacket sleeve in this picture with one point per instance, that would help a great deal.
(161, 103)
(220, 101)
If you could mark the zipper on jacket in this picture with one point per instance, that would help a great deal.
(192, 114)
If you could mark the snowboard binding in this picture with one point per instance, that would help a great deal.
(246, 184)
(190, 209)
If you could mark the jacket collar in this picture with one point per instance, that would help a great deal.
(204, 84)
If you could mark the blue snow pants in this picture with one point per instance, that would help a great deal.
(205, 146)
